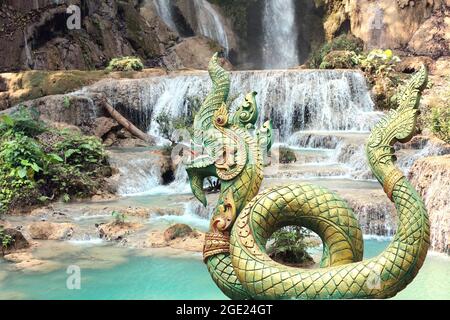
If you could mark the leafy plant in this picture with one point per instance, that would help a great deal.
(437, 117)
(24, 120)
(125, 64)
(67, 102)
(289, 245)
(168, 124)
(343, 42)
(119, 217)
(5, 239)
(38, 168)
(379, 63)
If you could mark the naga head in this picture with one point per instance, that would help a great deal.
(221, 143)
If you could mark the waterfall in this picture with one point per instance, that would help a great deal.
(164, 9)
(294, 100)
(28, 55)
(210, 24)
(280, 48)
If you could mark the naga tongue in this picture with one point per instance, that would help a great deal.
(197, 187)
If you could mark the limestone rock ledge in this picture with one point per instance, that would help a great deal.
(431, 178)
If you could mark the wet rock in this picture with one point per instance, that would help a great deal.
(413, 64)
(177, 231)
(109, 29)
(131, 143)
(16, 241)
(80, 111)
(194, 53)
(45, 230)
(433, 36)
(192, 241)
(103, 125)
(143, 213)
(383, 23)
(115, 231)
(27, 262)
(431, 178)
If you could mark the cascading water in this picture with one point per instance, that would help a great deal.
(325, 116)
(28, 55)
(210, 23)
(280, 47)
(164, 9)
(294, 100)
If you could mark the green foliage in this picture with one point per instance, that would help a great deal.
(289, 245)
(339, 60)
(126, 64)
(80, 151)
(67, 102)
(37, 168)
(287, 155)
(24, 121)
(377, 63)
(6, 239)
(167, 124)
(119, 217)
(437, 118)
(343, 42)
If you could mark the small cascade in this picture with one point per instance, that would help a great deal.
(141, 172)
(210, 23)
(280, 47)
(164, 9)
(376, 219)
(138, 173)
(295, 100)
(28, 55)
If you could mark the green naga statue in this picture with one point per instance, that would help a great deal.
(228, 146)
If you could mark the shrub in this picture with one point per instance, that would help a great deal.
(119, 217)
(289, 245)
(5, 239)
(24, 120)
(167, 124)
(125, 64)
(339, 60)
(437, 117)
(37, 168)
(377, 63)
(345, 42)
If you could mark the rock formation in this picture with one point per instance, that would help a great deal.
(431, 178)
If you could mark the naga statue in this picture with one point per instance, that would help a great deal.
(229, 147)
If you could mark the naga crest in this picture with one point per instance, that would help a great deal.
(220, 146)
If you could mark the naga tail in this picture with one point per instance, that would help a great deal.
(406, 253)
(344, 274)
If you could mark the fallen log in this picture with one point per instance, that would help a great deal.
(127, 124)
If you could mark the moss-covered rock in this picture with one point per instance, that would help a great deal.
(346, 42)
(340, 59)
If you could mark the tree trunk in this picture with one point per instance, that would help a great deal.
(127, 124)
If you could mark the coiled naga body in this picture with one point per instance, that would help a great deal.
(230, 148)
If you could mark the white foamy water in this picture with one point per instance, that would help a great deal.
(280, 46)
(190, 217)
(294, 100)
(164, 9)
(210, 24)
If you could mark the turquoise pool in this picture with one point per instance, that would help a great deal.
(159, 277)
